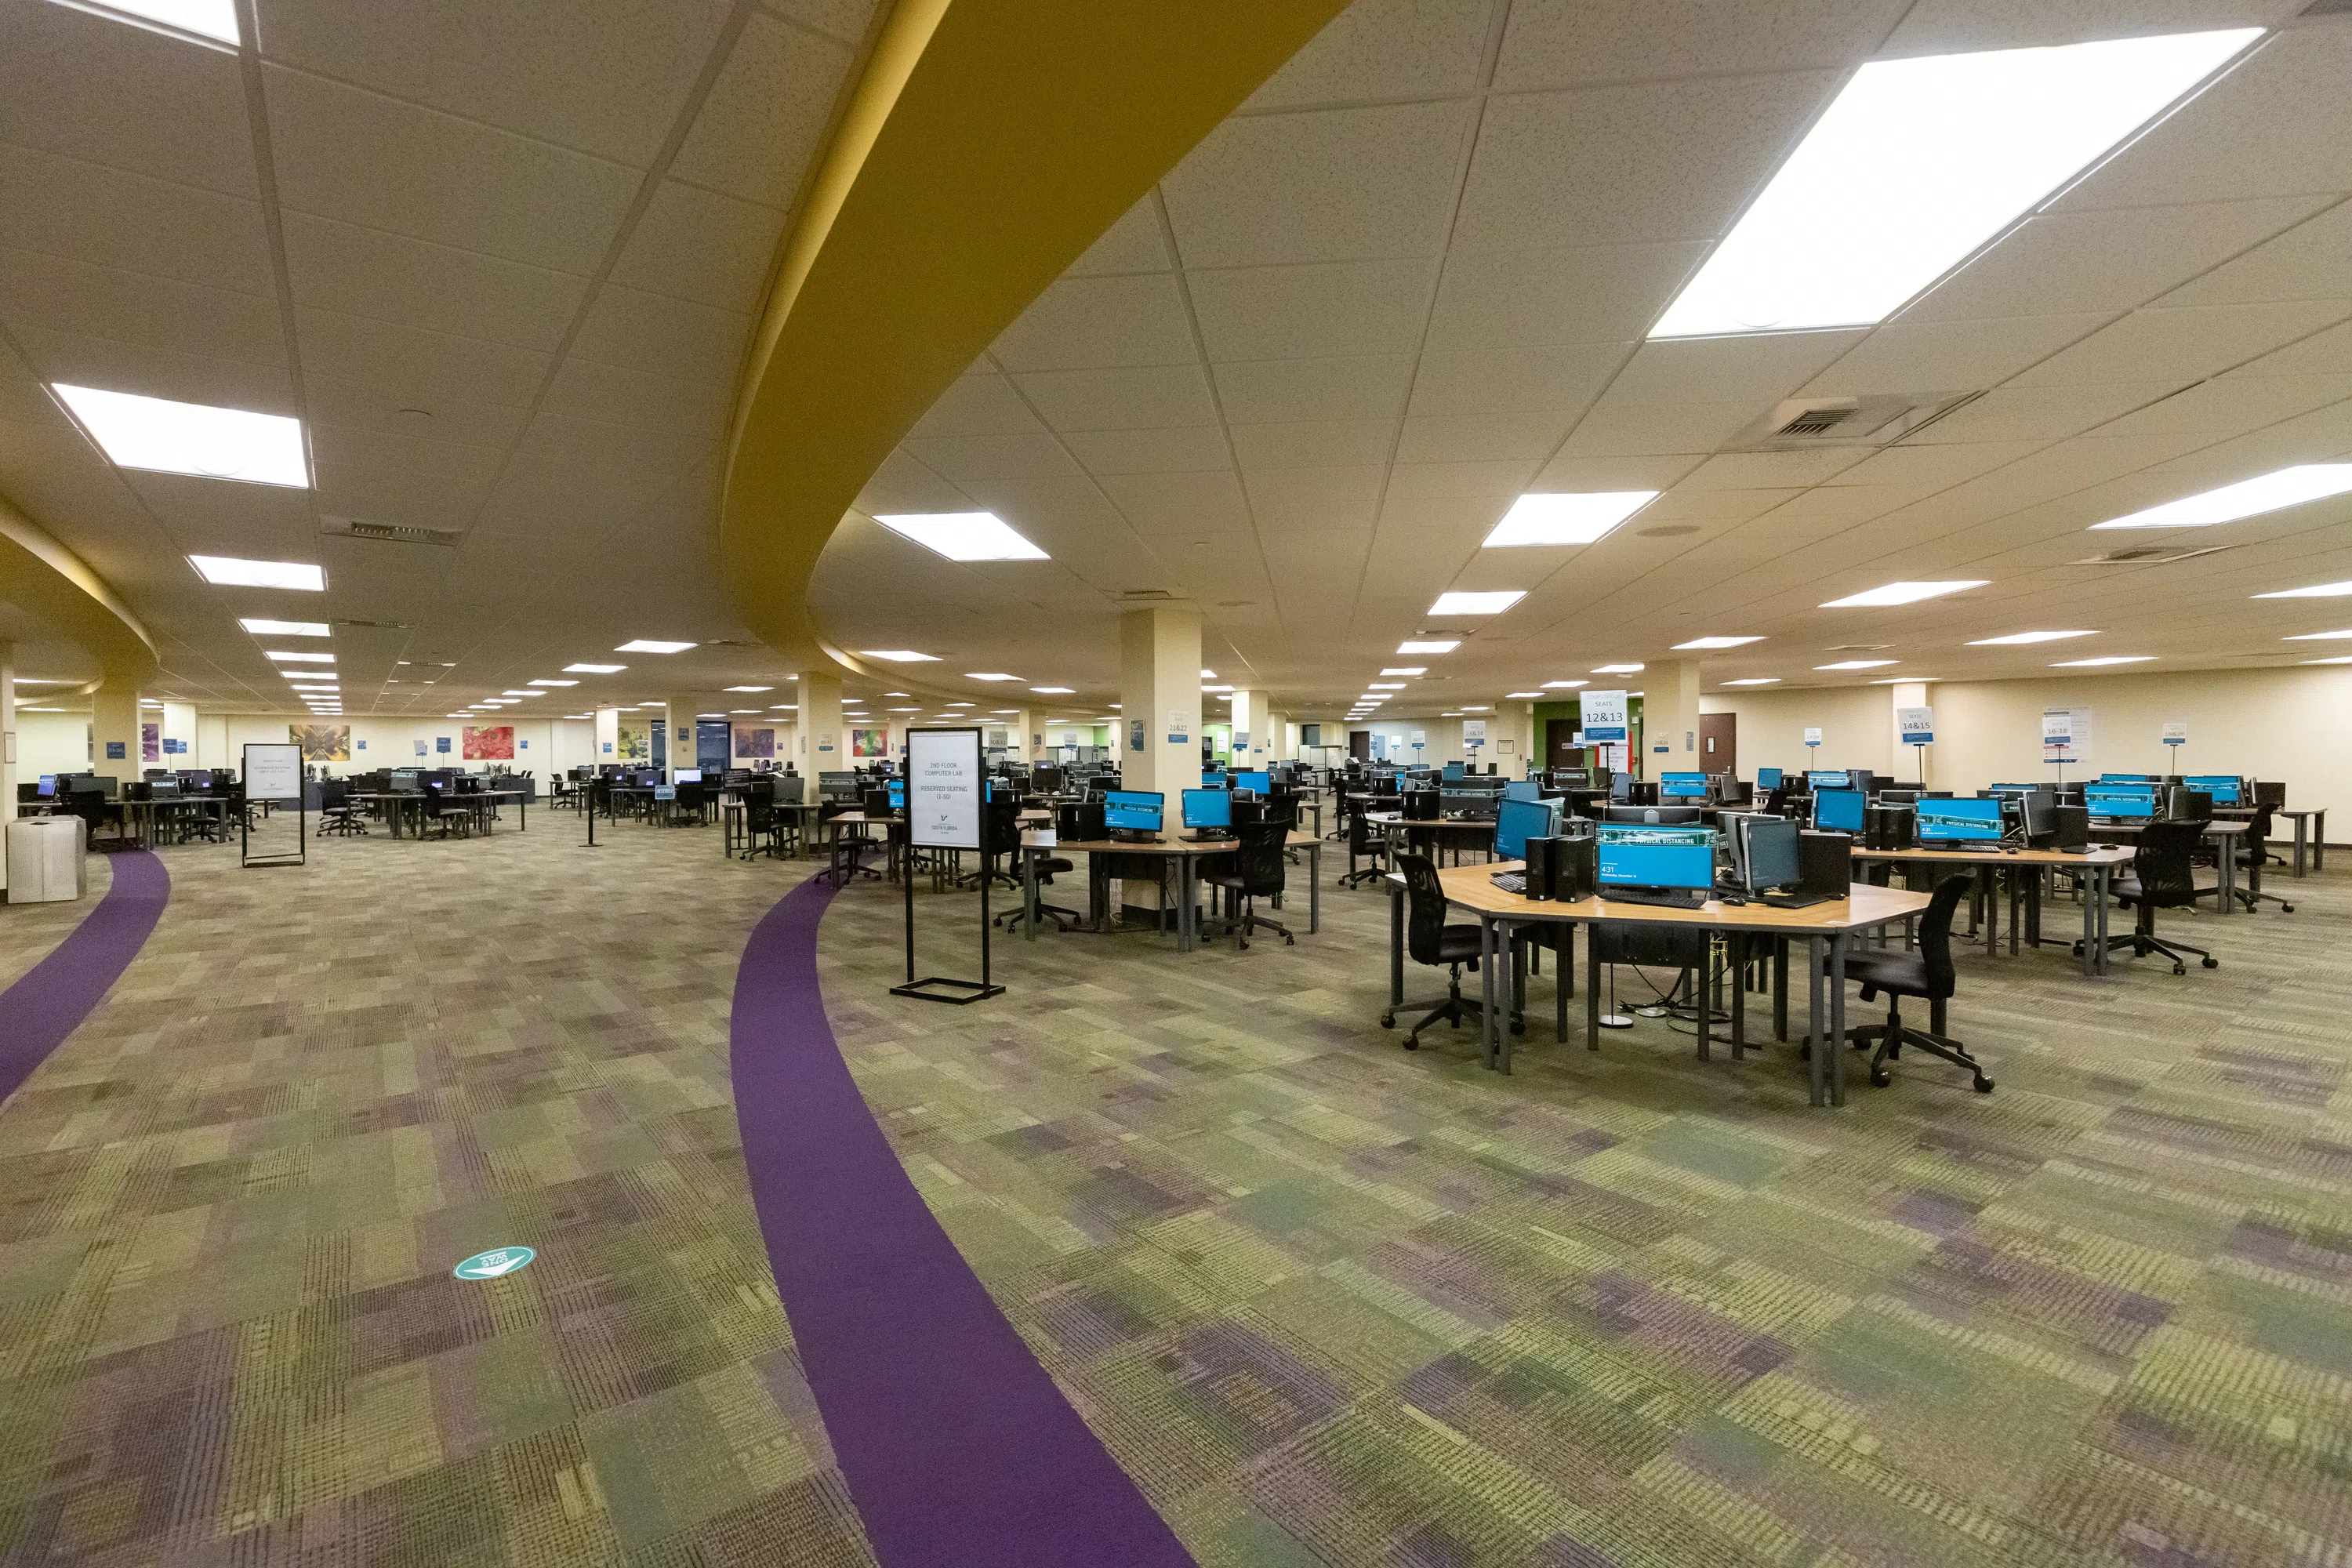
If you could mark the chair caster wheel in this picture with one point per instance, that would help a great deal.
(1880, 1078)
(2286, 909)
(2182, 968)
(1805, 1052)
(1290, 942)
(1413, 1042)
(1518, 1026)
(1983, 1084)
(1388, 1020)
(2212, 963)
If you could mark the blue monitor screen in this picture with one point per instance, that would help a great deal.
(1839, 810)
(1215, 781)
(49, 785)
(1518, 821)
(1523, 789)
(689, 775)
(897, 794)
(2127, 778)
(2120, 800)
(1263, 783)
(1133, 808)
(1767, 778)
(2224, 790)
(1452, 771)
(1208, 808)
(1827, 778)
(1942, 821)
(1657, 856)
(1682, 786)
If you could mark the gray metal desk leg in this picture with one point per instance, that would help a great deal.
(2318, 820)
(1591, 988)
(2229, 877)
(1838, 945)
(1396, 952)
(1028, 890)
(1780, 988)
(2105, 888)
(1515, 991)
(1817, 1048)
(1739, 947)
(2095, 895)
(2302, 837)
(1486, 989)
(1314, 886)
(1188, 911)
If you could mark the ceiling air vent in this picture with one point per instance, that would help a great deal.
(1878, 420)
(390, 532)
(2150, 555)
(1147, 597)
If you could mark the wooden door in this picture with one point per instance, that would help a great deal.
(1560, 749)
(1360, 746)
(1719, 742)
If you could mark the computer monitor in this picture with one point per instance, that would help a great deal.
(1620, 787)
(104, 783)
(897, 792)
(1208, 808)
(1682, 786)
(2220, 786)
(1839, 810)
(1656, 857)
(1523, 789)
(1256, 779)
(686, 775)
(1958, 821)
(1045, 779)
(2127, 778)
(1216, 781)
(2124, 801)
(837, 786)
(1518, 821)
(1767, 779)
(1133, 810)
(1452, 773)
(1827, 778)
(1771, 853)
(163, 789)
(49, 785)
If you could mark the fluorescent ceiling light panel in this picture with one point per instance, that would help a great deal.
(2247, 498)
(751, 689)
(906, 711)
(1462, 604)
(1903, 593)
(1053, 691)
(1512, 695)
(213, 19)
(1386, 685)
(1208, 675)
(166, 438)
(1918, 164)
(652, 645)
(283, 657)
(2307, 637)
(519, 692)
(1564, 685)
(1565, 517)
(228, 572)
(2111, 658)
(962, 535)
(547, 682)
(1857, 664)
(1617, 670)
(2317, 590)
(262, 629)
(988, 675)
(899, 655)
(1428, 647)
(1702, 643)
(2019, 640)
(1406, 670)
(1756, 680)
(594, 668)
(2340, 658)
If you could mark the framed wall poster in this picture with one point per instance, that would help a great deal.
(751, 742)
(633, 742)
(150, 743)
(869, 743)
(321, 742)
(489, 743)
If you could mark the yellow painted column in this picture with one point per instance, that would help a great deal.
(823, 746)
(1670, 716)
(114, 729)
(8, 751)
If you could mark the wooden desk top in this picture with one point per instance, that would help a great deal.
(1996, 856)
(1296, 840)
(1864, 907)
(2212, 829)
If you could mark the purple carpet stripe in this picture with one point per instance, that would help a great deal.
(959, 1449)
(56, 994)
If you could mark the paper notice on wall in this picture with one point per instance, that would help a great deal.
(1603, 714)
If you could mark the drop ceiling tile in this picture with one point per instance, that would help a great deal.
(980, 403)
(379, 406)
(1319, 443)
(700, 246)
(1771, 471)
(2272, 127)
(1128, 398)
(1336, 186)
(209, 516)
(1199, 503)
(1157, 451)
(356, 156)
(1318, 501)
(591, 441)
(1687, 504)
(846, 21)
(1587, 294)
(2040, 412)
(167, 109)
(1133, 243)
(1923, 470)
(1314, 313)
(1563, 378)
(1092, 323)
(108, 217)
(1487, 438)
(1683, 159)
(761, 125)
(2322, 353)
(1762, 370)
(1956, 27)
(2311, 260)
(662, 334)
(2184, 345)
(1565, 474)
(960, 457)
(903, 484)
(422, 364)
(608, 78)
(1278, 391)
(411, 283)
(1950, 357)
(1614, 430)
(2069, 261)
(588, 390)
(1555, 44)
(1492, 485)
(1385, 49)
(52, 294)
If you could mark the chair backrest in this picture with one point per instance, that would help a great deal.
(2161, 863)
(1260, 862)
(999, 827)
(1424, 916)
(1935, 932)
(2258, 831)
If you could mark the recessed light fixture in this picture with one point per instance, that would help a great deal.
(2317, 590)
(1902, 680)
(896, 694)
(165, 437)
(205, 22)
(751, 689)
(1916, 164)
(2247, 498)
(1857, 664)
(1386, 685)
(594, 668)
(2321, 637)
(962, 535)
(2339, 658)
(899, 655)
(1903, 593)
(652, 645)
(1208, 675)
(1428, 647)
(1617, 669)
(519, 692)
(2018, 639)
(988, 675)
(1514, 696)
(228, 572)
(1406, 670)
(1465, 604)
(1756, 680)
(1476, 707)
(262, 629)
(1564, 685)
(542, 681)
(2111, 658)
(1053, 691)
(1697, 643)
(1565, 519)
(284, 656)
(906, 711)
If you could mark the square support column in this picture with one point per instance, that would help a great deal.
(114, 729)
(1670, 718)
(822, 746)
(608, 736)
(8, 751)
(1159, 690)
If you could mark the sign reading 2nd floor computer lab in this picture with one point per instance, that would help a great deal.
(1605, 715)
(1916, 726)
(944, 782)
(495, 1263)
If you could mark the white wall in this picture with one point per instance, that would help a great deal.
(51, 743)
(542, 746)
(1855, 723)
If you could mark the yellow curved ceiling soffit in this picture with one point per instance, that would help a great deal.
(987, 144)
(44, 579)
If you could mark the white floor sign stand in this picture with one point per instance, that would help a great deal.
(947, 794)
(273, 773)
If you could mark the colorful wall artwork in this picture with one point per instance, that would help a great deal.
(150, 743)
(321, 742)
(754, 742)
(869, 743)
(489, 743)
(633, 741)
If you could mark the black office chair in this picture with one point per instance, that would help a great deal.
(447, 811)
(1062, 919)
(1924, 971)
(337, 815)
(1364, 840)
(1429, 940)
(1252, 872)
(2163, 877)
(2254, 853)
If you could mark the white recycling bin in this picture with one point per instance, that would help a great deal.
(46, 864)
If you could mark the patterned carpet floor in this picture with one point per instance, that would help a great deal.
(1330, 1303)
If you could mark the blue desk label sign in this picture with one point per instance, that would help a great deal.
(493, 1265)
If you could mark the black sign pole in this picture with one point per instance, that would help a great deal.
(937, 988)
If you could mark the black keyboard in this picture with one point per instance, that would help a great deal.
(1510, 881)
(1796, 900)
(1660, 898)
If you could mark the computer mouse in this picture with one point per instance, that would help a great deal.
(1730, 899)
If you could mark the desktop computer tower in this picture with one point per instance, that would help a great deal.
(1643, 792)
(1890, 827)
(1826, 863)
(2072, 827)
(1421, 805)
(1574, 866)
(1537, 872)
